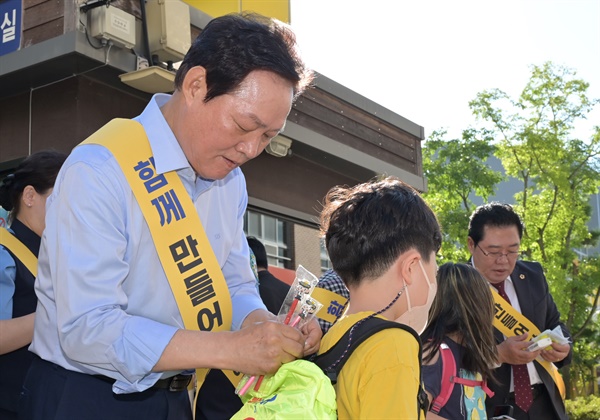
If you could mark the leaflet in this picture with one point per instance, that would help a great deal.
(556, 335)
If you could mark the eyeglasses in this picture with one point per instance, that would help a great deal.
(512, 255)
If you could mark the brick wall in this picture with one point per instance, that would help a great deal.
(307, 251)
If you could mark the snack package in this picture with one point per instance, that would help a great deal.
(556, 335)
(297, 309)
(303, 285)
(540, 344)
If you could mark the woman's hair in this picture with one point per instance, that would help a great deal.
(38, 170)
(463, 305)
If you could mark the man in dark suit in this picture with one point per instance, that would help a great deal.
(495, 233)
(272, 290)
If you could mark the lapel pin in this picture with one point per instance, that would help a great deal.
(522, 276)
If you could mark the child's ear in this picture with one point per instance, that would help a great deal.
(408, 264)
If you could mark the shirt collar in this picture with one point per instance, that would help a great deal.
(168, 155)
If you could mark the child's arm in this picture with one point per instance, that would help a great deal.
(433, 416)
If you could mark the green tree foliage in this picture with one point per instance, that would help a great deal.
(584, 408)
(533, 137)
(455, 169)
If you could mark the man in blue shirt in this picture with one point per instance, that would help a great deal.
(109, 334)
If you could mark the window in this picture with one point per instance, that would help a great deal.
(325, 262)
(272, 232)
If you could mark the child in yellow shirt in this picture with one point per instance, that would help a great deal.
(381, 238)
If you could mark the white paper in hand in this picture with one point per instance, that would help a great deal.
(556, 335)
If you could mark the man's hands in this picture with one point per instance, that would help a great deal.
(268, 344)
(261, 348)
(557, 353)
(312, 334)
(513, 351)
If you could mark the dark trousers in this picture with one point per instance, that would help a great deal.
(541, 408)
(217, 399)
(8, 415)
(51, 392)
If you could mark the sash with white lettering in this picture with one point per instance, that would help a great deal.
(185, 253)
(333, 304)
(19, 250)
(511, 322)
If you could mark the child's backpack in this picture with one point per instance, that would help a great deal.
(298, 390)
(449, 378)
(333, 360)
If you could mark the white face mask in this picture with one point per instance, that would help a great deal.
(416, 317)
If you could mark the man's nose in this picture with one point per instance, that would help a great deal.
(249, 147)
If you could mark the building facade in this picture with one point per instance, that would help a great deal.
(78, 64)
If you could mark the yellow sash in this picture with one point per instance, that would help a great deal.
(21, 251)
(511, 322)
(333, 304)
(185, 253)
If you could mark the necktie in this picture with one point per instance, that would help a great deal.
(523, 394)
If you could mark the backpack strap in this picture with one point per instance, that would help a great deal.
(449, 378)
(333, 360)
(447, 381)
(474, 383)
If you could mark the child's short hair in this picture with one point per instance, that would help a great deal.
(368, 226)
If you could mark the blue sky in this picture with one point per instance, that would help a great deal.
(426, 59)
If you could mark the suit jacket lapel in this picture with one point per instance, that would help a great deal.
(523, 287)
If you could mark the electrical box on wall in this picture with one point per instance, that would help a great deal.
(169, 32)
(279, 146)
(111, 23)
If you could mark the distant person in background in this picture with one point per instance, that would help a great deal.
(495, 232)
(272, 290)
(460, 320)
(24, 194)
(331, 281)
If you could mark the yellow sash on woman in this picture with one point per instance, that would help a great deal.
(511, 322)
(185, 253)
(19, 250)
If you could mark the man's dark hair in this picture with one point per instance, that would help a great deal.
(232, 46)
(260, 253)
(493, 214)
(368, 226)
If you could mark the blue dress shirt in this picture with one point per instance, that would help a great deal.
(105, 305)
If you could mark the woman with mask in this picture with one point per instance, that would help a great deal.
(23, 193)
(459, 332)
(381, 238)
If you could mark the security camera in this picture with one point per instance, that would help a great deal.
(279, 146)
